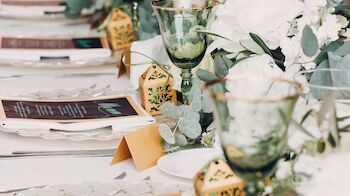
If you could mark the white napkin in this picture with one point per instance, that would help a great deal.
(153, 48)
(58, 28)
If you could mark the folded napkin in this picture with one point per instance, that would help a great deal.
(153, 48)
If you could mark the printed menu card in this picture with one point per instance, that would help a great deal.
(44, 48)
(72, 115)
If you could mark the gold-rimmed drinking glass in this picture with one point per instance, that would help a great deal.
(252, 116)
(180, 22)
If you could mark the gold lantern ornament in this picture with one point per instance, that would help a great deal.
(120, 30)
(156, 88)
(218, 179)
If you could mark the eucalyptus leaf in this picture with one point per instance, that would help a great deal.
(343, 50)
(169, 110)
(189, 113)
(252, 46)
(261, 43)
(309, 42)
(74, 7)
(190, 128)
(220, 67)
(229, 64)
(331, 47)
(166, 134)
(207, 106)
(180, 139)
(195, 98)
(333, 59)
(205, 75)
(168, 148)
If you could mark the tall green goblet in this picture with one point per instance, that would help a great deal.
(180, 22)
(252, 116)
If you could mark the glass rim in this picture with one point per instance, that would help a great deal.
(154, 5)
(317, 86)
(223, 97)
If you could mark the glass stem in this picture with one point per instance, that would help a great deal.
(186, 84)
(135, 18)
(251, 188)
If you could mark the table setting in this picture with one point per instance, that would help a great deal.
(174, 97)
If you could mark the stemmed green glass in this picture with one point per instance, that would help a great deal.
(180, 22)
(252, 116)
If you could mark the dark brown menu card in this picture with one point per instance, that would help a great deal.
(33, 2)
(34, 43)
(69, 111)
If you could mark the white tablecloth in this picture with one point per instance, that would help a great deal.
(18, 173)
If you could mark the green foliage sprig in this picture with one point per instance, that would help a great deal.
(188, 130)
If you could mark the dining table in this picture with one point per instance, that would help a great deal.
(26, 172)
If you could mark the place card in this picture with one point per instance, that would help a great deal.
(144, 146)
(41, 48)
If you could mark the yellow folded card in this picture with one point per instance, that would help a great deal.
(144, 146)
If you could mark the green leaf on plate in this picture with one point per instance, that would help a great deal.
(309, 42)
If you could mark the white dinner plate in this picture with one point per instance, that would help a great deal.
(187, 163)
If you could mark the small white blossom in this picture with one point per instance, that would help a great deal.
(329, 31)
(208, 139)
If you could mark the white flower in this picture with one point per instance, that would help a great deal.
(262, 65)
(237, 18)
(329, 31)
(284, 170)
(343, 21)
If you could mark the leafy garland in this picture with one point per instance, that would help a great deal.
(148, 26)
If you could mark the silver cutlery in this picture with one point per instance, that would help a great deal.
(56, 154)
(120, 176)
(72, 152)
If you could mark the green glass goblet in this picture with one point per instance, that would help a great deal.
(252, 116)
(180, 22)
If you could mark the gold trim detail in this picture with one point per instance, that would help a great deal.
(155, 6)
